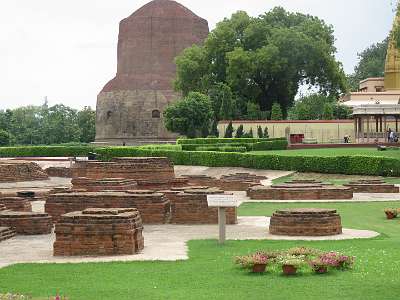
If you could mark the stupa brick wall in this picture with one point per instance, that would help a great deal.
(116, 231)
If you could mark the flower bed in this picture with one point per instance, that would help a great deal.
(290, 261)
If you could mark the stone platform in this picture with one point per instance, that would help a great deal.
(16, 171)
(116, 231)
(106, 184)
(305, 222)
(143, 168)
(299, 191)
(372, 186)
(6, 233)
(154, 208)
(16, 203)
(26, 223)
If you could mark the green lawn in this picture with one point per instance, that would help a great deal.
(334, 152)
(210, 274)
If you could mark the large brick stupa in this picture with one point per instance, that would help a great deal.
(130, 107)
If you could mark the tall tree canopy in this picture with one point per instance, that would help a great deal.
(263, 59)
(371, 64)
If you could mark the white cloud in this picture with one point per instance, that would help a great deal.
(66, 50)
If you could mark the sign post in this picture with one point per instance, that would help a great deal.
(222, 201)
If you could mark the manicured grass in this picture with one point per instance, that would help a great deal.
(210, 273)
(334, 152)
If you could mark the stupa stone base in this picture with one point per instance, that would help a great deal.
(154, 208)
(372, 186)
(116, 231)
(305, 222)
(26, 223)
(299, 192)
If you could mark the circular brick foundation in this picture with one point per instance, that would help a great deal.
(305, 222)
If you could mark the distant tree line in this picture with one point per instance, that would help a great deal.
(44, 125)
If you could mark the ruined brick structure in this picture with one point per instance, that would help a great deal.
(372, 186)
(16, 203)
(130, 107)
(26, 223)
(299, 191)
(6, 233)
(154, 208)
(106, 184)
(15, 171)
(305, 222)
(59, 172)
(116, 231)
(140, 168)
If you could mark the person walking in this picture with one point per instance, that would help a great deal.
(389, 134)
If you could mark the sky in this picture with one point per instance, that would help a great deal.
(66, 50)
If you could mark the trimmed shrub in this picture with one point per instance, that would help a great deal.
(273, 145)
(352, 165)
(208, 141)
(222, 149)
(45, 151)
(194, 147)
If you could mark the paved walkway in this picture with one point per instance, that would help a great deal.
(162, 242)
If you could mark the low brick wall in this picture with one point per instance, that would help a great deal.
(15, 171)
(300, 192)
(2, 207)
(16, 203)
(116, 231)
(154, 208)
(191, 207)
(372, 186)
(106, 184)
(59, 172)
(6, 233)
(157, 168)
(305, 222)
(162, 184)
(26, 223)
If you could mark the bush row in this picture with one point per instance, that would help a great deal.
(272, 145)
(222, 149)
(207, 141)
(352, 165)
(46, 151)
(259, 146)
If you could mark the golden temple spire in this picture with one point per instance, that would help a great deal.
(392, 66)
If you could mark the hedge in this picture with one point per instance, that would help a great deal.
(207, 141)
(222, 149)
(46, 151)
(272, 145)
(352, 165)
(195, 147)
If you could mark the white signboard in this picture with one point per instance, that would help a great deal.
(222, 201)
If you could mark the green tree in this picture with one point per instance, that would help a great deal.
(87, 124)
(190, 115)
(260, 132)
(371, 64)
(222, 102)
(266, 133)
(276, 112)
(4, 138)
(239, 132)
(264, 58)
(327, 113)
(229, 131)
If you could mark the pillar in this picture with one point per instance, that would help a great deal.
(368, 119)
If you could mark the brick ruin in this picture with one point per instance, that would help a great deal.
(190, 207)
(231, 182)
(106, 184)
(16, 203)
(115, 231)
(59, 172)
(305, 222)
(26, 223)
(15, 171)
(153, 207)
(6, 233)
(372, 186)
(299, 191)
